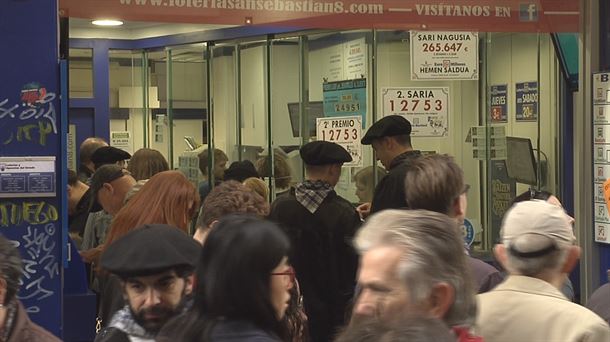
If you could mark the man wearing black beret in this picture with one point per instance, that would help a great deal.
(390, 138)
(109, 155)
(321, 226)
(155, 263)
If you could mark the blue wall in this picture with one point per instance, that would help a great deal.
(28, 32)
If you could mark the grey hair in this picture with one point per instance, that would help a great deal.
(11, 268)
(534, 266)
(432, 253)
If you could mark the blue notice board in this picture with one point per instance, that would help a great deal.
(31, 127)
(526, 95)
(345, 98)
(499, 103)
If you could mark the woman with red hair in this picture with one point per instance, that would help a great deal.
(167, 198)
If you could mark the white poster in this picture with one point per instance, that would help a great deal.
(427, 109)
(354, 61)
(122, 140)
(437, 55)
(345, 131)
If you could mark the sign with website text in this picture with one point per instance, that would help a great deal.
(427, 109)
(444, 55)
(473, 15)
(345, 131)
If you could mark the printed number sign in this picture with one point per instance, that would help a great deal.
(345, 131)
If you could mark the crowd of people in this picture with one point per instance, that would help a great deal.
(174, 262)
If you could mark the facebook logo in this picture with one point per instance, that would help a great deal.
(528, 12)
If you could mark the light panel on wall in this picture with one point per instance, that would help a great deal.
(107, 22)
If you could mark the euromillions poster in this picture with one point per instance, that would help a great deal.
(345, 98)
(499, 103)
(526, 94)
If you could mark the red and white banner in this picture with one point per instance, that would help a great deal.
(465, 15)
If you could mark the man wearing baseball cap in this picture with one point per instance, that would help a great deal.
(321, 225)
(155, 263)
(390, 138)
(538, 251)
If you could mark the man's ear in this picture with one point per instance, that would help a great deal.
(3, 288)
(571, 259)
(500, 254)
(458, 210)
(189, 284)
(108, 187)
(441, 299)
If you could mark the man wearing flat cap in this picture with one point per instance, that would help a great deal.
(390, 138)
(155, 263)
(538, 250)
(321, 225)
(109, 155)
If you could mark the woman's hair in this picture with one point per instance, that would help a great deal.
(146, 163)
(168, 198)
(257, 185)
(233, 277)
(281, 169)
(366, 179)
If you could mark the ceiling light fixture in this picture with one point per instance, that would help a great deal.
(107, 22)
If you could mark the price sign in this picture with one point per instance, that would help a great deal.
(426, 109)
(444, 55)
(345, 131)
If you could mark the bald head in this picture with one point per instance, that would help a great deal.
(87, 148)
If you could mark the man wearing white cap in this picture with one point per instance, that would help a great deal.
(538, 250)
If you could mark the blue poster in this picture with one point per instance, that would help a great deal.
(345, 98)
(526, 94)
(499, 103)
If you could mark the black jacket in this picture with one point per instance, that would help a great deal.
(390, 191)
(323, 257)
(112, 335)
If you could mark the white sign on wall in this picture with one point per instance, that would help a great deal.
(345, 131)
(345, 61)
(438, 55)
(122, 140)
(427, 109)
(601, 155)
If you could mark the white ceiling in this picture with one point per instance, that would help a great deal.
(82, 28)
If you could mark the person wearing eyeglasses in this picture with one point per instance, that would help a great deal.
(320, 225)
(243, 282)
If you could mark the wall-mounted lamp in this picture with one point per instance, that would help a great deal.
(248, 21)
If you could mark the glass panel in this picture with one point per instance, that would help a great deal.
(158, 123)
(126, 97)
(81, 73)
(224, 89)
(334, 57)
(187, 99)
(286, 133)
(394, 72)
(527, 64)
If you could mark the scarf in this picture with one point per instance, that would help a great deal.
(311, 194)
(123, 320)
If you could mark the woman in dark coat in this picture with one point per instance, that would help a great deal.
(243, 282)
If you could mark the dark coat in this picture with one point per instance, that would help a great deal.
(78, 220)
(24, 330)
(390, 191)
(222, 331)
(485, 276)
(323, 257)
(600, 302)
(112, 335)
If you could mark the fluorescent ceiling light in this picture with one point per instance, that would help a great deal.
(107, 22)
